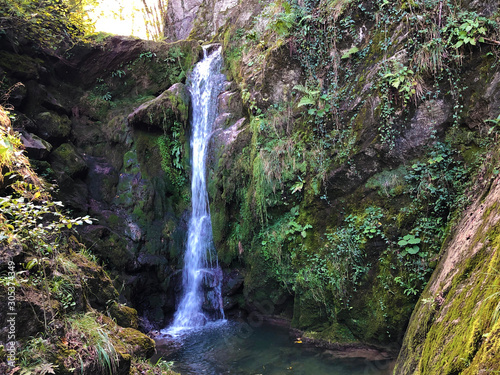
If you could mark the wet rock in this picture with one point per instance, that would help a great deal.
(108, 245)
(99, 289)
(230, 102)
(23, 122)
(32, 311)
(233, 282)
(430, 117)
(102, 179)
(212, 302)
(230, 110)
(282, 75)
(49, 101)
(229, 303)
(73, 192)
(22, 67)
(18, 96)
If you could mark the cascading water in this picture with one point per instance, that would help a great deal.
(201, 274)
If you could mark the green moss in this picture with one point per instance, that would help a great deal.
(124, 316)
(336, 333)
(52, 125)
(308, 313)
(66, 159)
(453, 343)
(23, 66)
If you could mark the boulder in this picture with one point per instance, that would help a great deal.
(123, 315)
(161, 112)
(66, 160)
(35, 147)
(52, 127)
(137, 343)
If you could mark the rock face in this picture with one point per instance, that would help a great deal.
(455, 326)
(333, 158)
(201, 20)
(116, 118)
(345, 143)
(180, 18)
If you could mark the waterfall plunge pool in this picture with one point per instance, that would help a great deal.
(227, 347)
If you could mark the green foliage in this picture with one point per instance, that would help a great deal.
(173, 70)
(47, 23)
(350, 52)
(118, 73)
(466, 29)
(282, 21)
(404, 80)
(34, 357)
(341, 265)
(62, 288)
(39, 226)
(409, 243)
(161, 367)
(437, 183)
(276, 246)
(171, 151)
(436, 189)
(147, 56)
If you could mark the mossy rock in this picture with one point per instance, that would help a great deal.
(51, 126)
(65, 159)
(125, 316)
(108, 245)
(32, 308)
(98, 289)
(137, 343)
(172, 105)
(20, 66)
(308, 314)
(454, 328)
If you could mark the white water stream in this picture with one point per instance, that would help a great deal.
(202, 276)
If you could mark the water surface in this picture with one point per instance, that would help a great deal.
(231, 348)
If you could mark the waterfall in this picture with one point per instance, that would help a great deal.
(202, 276)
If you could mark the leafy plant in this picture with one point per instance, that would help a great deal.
(107, 96)
(63, 290)
(467, 29)
(409, 243)
(148, 55)
(34, 355)
(282, 19)
(173, 69)
(339, 267)
(171, 151)
(405, 81)
(350, 52)
(118, 73)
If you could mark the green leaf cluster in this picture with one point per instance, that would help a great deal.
(47, 23)
(172, 152)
